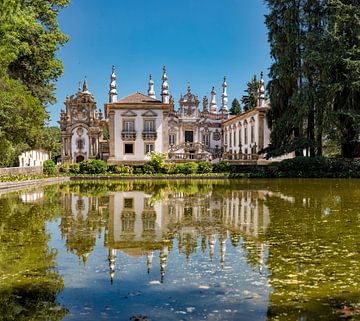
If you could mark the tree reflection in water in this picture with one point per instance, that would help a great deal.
(301, 236)
(29, 284)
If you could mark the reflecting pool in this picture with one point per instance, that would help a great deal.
(182, 250)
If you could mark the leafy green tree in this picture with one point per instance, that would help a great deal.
(250, 100)
(21, 120)
(235, 107)
(29, 39)
(51, 141)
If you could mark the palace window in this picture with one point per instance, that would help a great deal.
(230, 136)
(128, 203)
(149, 125)
(129, 126)
(129, 148)
(149, 148)
(172, 139)
(205, 139)
(240, 128)
(252, 133)
(246, 134)
(234, 138)
(80, 143)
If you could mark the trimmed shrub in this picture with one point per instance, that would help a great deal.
(74, 168)
(49, 167)
(204, 167)
(148, 169)
(93, 166)
(138, 170)
(64, 168)
(223, 167)
(186, 168)
(157, 161)
(123, 169)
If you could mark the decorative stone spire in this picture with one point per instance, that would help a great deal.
(224, 98)
(85, 86)
(213, 105)
(113, 90)
(165, 88)
(205, 105)
(262, 91)
(151, 90)
(189, 89)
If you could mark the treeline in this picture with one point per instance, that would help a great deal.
(315, 76)
(29, 39)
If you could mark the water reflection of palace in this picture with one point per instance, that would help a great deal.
(140, 224)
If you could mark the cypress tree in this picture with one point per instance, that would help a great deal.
(342, 68)
(286, 114)
(235, 107)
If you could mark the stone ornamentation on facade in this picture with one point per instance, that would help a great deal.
(139, 124)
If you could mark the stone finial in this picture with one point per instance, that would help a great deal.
(113, 87)
(165, 88)
(224, 98)
(151, 90)
(85, 86)
(262, 102)
(205, 104)
(213, 105)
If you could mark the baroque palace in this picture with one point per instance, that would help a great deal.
(139, 124)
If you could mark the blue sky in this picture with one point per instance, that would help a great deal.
(197, 40)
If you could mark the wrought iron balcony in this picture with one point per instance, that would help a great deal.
(149, 136)
(128, 136)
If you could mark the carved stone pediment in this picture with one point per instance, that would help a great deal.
(149, 113)
(129, 113)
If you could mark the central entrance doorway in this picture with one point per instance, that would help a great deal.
(189, 136)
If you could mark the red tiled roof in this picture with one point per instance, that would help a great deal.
(138, 98)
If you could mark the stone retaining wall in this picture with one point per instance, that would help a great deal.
(6, 187)
(34, 170)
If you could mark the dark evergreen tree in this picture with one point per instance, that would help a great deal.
(235, 107)
(286, 117)
(250, 100)
(342, 68)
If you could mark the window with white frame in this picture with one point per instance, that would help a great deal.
(149, 148)
(149, 125)
(129, 126)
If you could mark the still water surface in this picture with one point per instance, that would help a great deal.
(182, 250)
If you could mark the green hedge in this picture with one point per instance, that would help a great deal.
(49, 167)
(304, 167)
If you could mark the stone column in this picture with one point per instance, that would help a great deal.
(112, 134)
(261, 126)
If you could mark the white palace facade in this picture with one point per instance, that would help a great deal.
(139, 124)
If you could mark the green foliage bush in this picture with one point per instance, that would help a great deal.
(49, 167)
(74, 168)
(64, 168)
(93, 166)
(148, 169)
(223, 167)
(204, 168)
(186, 168)
(157, 162)
(123, 169)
